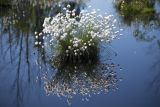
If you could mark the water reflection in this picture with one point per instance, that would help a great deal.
(136, 10)
(155, 82)
(22, 62)
(84, 80)
(142, 15)
(18, 23)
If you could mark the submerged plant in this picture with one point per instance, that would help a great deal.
(76, 38)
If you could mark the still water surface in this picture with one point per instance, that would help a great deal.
(131, 77)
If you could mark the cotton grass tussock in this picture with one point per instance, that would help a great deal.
(77, 38)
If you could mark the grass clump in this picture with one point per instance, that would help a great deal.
(136, 9)
(78, 40)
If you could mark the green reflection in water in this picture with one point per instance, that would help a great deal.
(5, 2)
(24, 16)
(142, 15)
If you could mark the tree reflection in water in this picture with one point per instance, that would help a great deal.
(144, 18)
(20, 56)
(141, 15)
(155, 82)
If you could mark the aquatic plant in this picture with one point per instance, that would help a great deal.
(132, 10)
(77, 37)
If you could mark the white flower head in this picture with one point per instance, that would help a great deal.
(79, 35)
(68, 6)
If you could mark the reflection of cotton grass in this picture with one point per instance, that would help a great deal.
(79, 36)
(84, 80)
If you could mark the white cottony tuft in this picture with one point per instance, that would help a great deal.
(64, 28)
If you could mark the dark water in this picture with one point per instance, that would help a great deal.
(27, 75)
